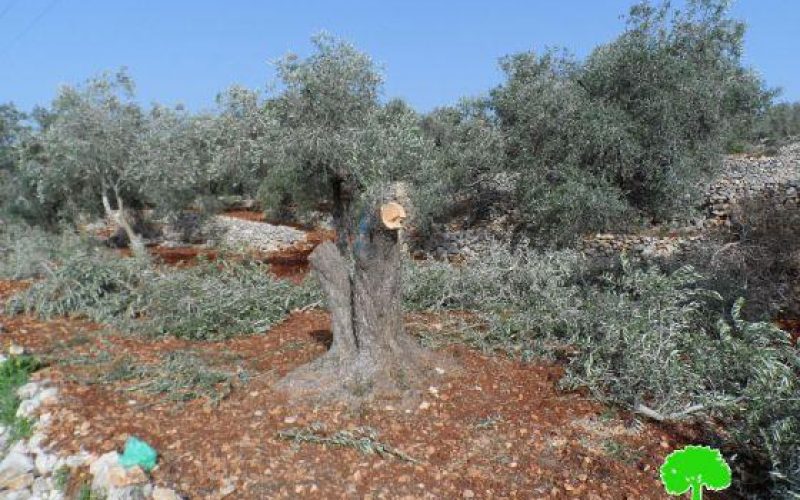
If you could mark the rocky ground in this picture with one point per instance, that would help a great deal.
(742, 176)
(33, 469)
(486, 427)
(492, 428)
(777, 177)
(236, 233)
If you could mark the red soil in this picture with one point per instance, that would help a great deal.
(792, 326)
(289, 263)
(492, 428)
(246, 215)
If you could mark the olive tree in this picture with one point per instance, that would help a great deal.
(634, 127)
(176, 151)
(11, 127)
(192, 157)
(89, 152)
(677, 78)
(468, 152)
(559, 143)
(342, 145)
(779, 124)
(244, 142)
(11, 132)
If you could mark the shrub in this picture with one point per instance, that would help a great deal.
(524, 296)
(556, 213)
(178, 376)
(780, 124)
(767, 237)
(641, 341)
(618, 325)
(638, 123)
(762, 369)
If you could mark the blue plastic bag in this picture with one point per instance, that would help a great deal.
(137, 452)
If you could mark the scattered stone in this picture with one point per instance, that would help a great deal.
(19, 482)
(127, 493)
(16, 350)
(36, 440)
(42, 487)
(29, 390)
(160, 493)
(27, 408)
(27, 470)
(237, 233)
(14, 470)
(101, 470)
(119, 477)
(227, 488)
(16, 495)
(21, 447)
(48, 396)
(45, 463)
(75, 461)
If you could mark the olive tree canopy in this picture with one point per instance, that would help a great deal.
(339, 142)
(89, 152)
(635, 127)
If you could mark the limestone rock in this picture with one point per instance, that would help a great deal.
(261, 236)
(29, 390)
(160, 493)
(15, 495)
(16, 350)
(42, 486)
(119, 477)
(15, 471)
(126, 493)
(101, 470)
(45, 463)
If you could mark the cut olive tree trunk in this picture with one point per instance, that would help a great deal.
(371, 354)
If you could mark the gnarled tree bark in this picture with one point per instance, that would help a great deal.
(121, 219)
(371, 354)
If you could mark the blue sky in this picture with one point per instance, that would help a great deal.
(433, 52)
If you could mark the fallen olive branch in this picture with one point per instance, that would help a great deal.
(363, 439)
(678, 415)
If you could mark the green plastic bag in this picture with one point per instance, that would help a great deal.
(137, 452)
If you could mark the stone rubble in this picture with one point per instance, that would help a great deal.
(30, 469)
(776, 177)
(262, 236)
